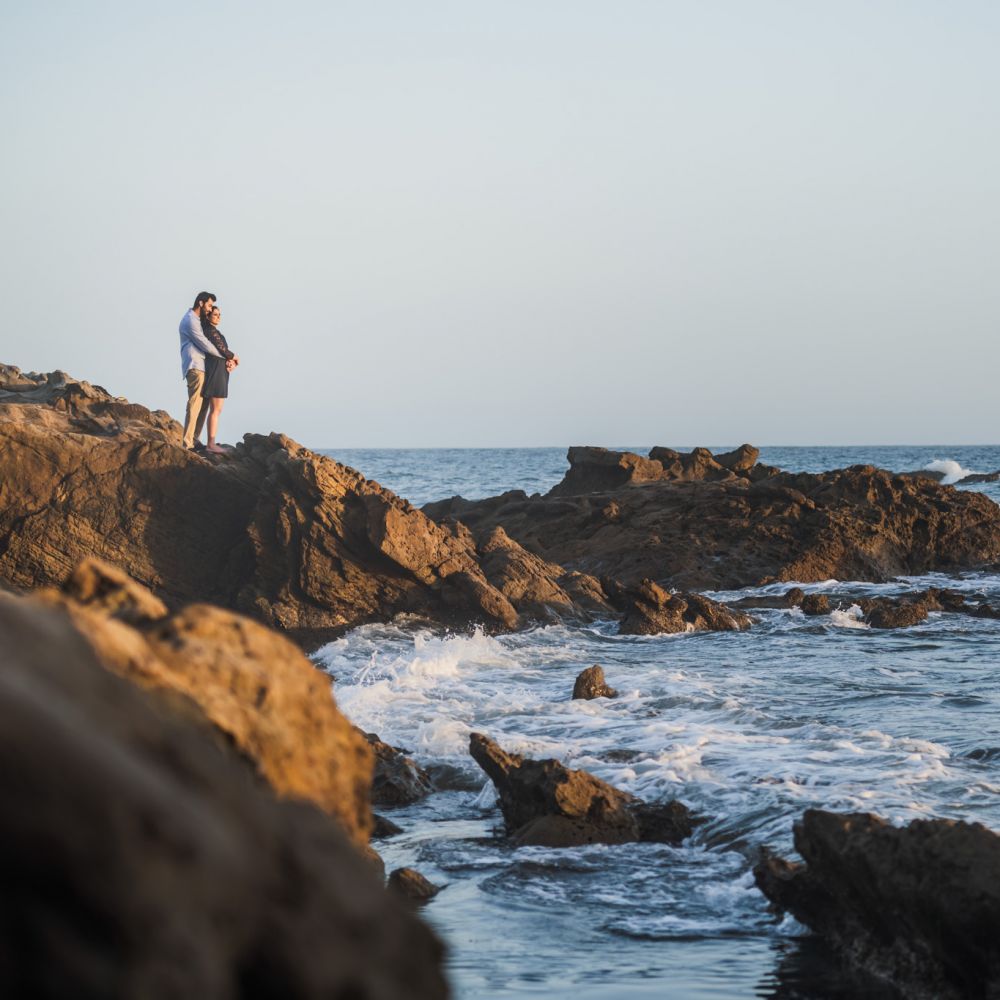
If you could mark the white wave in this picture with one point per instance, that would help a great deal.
(852, 617)
(953, 472)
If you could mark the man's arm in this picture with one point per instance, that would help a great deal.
(216, 338)
(192, 329)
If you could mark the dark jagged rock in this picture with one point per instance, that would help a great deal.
(590, 684)
(271, 529)
(889, 614)
(815, 604)
(411, 885)
(398, 780)
(384, 828)
(141, 856)
(918, 905)
(903, 612)
(650, 610)
(545, 803)
(696, 524)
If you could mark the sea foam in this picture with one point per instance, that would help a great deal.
(953, 472)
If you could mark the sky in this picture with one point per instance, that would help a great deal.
(536, 223)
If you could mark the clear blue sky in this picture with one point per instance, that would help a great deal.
(527, 223)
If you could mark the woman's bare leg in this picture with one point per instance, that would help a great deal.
(215, 404)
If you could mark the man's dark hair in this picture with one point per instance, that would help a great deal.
(203, 297)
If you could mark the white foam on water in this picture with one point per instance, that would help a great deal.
(852, 617)
(953, 472)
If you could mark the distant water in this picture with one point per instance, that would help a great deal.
(749, 729)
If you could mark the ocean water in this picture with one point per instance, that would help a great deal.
(748, 729)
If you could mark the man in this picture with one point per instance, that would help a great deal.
(194, 346)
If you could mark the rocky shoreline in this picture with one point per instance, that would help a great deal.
(182, 762)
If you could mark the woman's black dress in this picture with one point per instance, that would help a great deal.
(216, 384)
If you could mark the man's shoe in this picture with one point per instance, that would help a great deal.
(198, 446)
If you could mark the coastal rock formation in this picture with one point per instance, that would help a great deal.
(815, 604)
(545, 803)
(398, 780)
(142, 857)
(590, 684)
(918, 905)
(271, 529)
(698, 521)
(255, 687)
(411, 885)
(902, 612)
(650, 610)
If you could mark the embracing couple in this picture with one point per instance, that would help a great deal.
(206, 362)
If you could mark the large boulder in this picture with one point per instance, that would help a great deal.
(254, 686)
(272, 530)
(546, 803)
(698, 524)
(141, 856)
(918, 905)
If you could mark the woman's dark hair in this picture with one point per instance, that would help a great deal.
(203, 297)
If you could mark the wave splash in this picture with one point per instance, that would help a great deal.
(953, 472)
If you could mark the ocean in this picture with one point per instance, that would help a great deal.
(748, 729)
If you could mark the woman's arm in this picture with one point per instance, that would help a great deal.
(218, 341)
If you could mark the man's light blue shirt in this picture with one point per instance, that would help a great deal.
(194, 344)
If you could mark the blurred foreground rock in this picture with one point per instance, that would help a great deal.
(142, 856)
(252, 685)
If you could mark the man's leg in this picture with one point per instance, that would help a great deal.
(194, 415)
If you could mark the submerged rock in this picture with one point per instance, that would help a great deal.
(590, 684)
(547, 804)
(696, 524)
(917, 905)
(142, 856)
(384, 828)
(648, 609)
(410, 884)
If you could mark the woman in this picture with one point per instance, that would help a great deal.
(215, 390)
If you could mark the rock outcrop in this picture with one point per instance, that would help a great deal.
(255, 688)
(142, 857)
(413, 886)
(547, 804)
(648, 609)
(271, 529)
(398, 780)
(815, 604)
(911, 609)
(698, 522)
(918, 905)
(590, 684)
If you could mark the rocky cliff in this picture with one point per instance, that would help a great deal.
(697, 521)
(296, 540)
